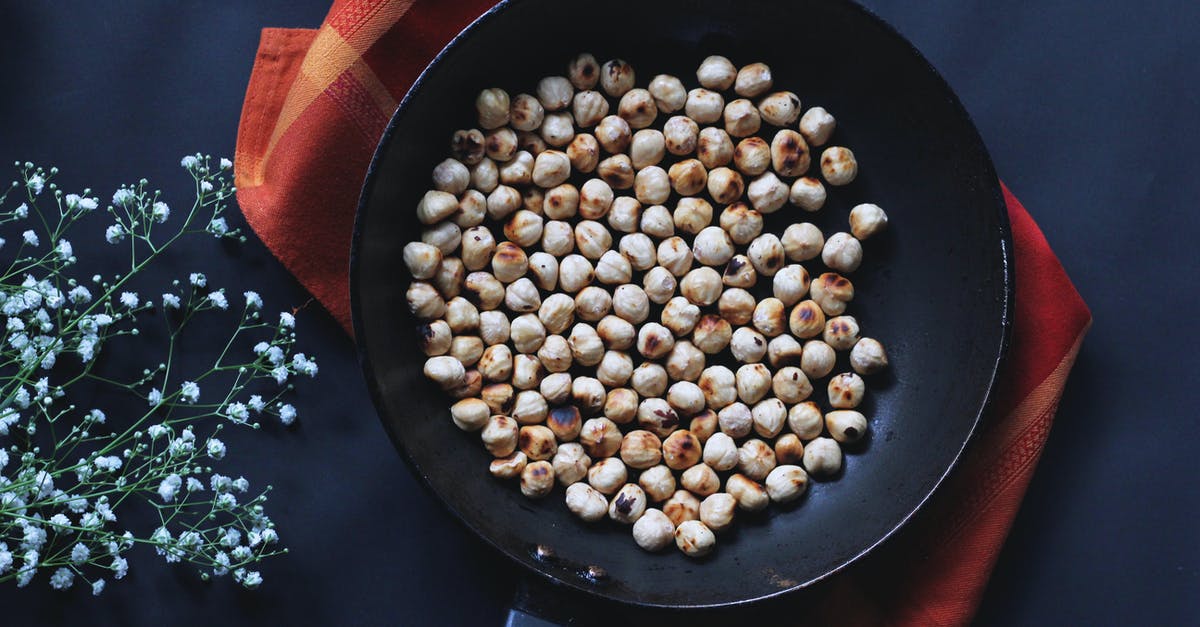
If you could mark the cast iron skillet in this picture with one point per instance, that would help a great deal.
(936, 289)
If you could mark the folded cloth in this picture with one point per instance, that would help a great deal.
(317, 103)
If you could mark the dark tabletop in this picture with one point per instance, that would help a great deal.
(1089, 110)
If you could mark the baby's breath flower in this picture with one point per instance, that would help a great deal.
(225, 501)
(97, 587)
(80, 295)
(230, 537)
(218, 299)
(60, 520)
(287, 320)
(237, 412)
(114, 233)
(36, 183)
(80, 553)
(250, 579)
(129, 299)
(65, 250)
(206, 186)
(170, 301)
(280, 373)
(241, 484)
(218, 227)
(275, 355)
(30, 237)
(157, 431)
(123, 197)
(226, 164)
(194, 485)
(304, 365)
(108, 463)
(189, 392)
(22, 211)
(253, 300)
(189, 162)
(160, 212)
(255, 403)
(28, 569)
(287, 414)
(198, 279)
(120, 567)
(62, 578)
(6, 559)
(154, 398)
(169, 487)
(216, 449)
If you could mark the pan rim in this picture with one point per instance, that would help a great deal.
(1007, 262)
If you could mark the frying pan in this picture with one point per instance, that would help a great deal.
(936, 288)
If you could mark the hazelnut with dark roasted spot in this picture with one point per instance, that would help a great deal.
(866, 220)
(657, 417)
(616, 333)
(434, 338)
(467, 145)
(682, 507)
(499, 397)
(832, 291)
(704, 425)
(654, 340)
(846, 426)
(688, 177)
(748, 346)
(621, 405)
(537, 479)
(565, 422)
(786, 483)
(714, 148)
(846, 390)
(712, 333)
(527, 372)
(588, 394)
(838, 165)
(584, 153)
(641, 449)
(628, 505)
(496, 364)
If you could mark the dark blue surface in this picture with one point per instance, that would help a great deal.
(1089, 111)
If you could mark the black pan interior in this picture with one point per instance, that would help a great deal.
(935, 289)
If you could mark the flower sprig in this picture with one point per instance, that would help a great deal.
(69, 472)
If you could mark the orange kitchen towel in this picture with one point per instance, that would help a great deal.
(317, 103)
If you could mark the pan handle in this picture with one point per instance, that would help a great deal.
(540, 604)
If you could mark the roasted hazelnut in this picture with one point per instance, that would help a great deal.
(817, 126)
(747, 345)
(841, 332)
(607, 475)
(658, 482)
(558, 239)
(700, 480)
(624, 214)
(669, 93)
(575, 272)
(436, 206)
(714, 148)
(701, 286)
(781, 108)
(753, 80)
(704, 424)
(806, 320)
(531, 142)
(592, 239)
(583, 71)
(694, 539)
(791, 284)
(692, 215)
(842, 252)
(616, 77)
(675, 255)
(716, 72)
(685, 363)
(784, 351)
(614, 134)
(741, 118)
(806, 420)
(588, 108)
(752, 156)
(818, 359)
(556, 388)
(688, 177)
(681, 135)
(482, 289)
(741, 222)
(493, 107)
(657, 222)
(846, 391)
(527, 333)
(631, 303)
(838, 165)
(769, 417)
(613, 268)
(638, 108)
(508, 467)
(555, 354)
(588, 395)
(424, 301)
(470, 414)
(791, 385)
(659, 285)
(537, 442)
(786, 483)
(789, 449)
(868, 356)
(736, 420)
(485, 176)
(832, 291)
(601, 439)
(628, 505)
(823, 457)
(653, 531)
(466, 349)
(621, 405)
(496, 363)
(680, 316)
(467, 146)
(766, 253)
(503, 201)
(682, 507)
(527, 371)
(584, 153)
(586, 346)
(570, 464)
(652, 185)
(649, 379)
(719, 385)
(618, 172)
(789, 154)
(654, 340)
(616, 333)
(736, 306)
(641, 449)
(422, 259)
(704, 106)
(615, 368)
(865, 220)
(586, 502)
(739, 273)
(712, 246)
(501, 146)
(522, 296)
(565, 422)
(592, 303)
(647, 148)
(756, 459)
(435, 337)
(770, 317)
(639, 250)
(499, 435)
(685, 398)
(509, 262)
(753, 382)
(712, 334)
(720, 452)
(445, 236)
(725, 186)
(657, 417)
(681, 450)
(558, 129)
(751, 496)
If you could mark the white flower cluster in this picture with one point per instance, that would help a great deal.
(61, 518)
